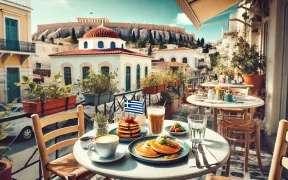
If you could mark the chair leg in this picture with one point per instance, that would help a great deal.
(257, 147)
(228, 166)
(246, 152)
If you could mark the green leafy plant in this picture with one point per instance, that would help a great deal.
(247, 58)
(3, 128)
(97, 83)
(151, 80)
(169, 96)
(41, 93)
(99, 118)
(181, 75)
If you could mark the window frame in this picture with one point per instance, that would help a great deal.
(100, 44)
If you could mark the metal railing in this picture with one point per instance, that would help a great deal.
(13, 45)
(196, 81)
(108, 108)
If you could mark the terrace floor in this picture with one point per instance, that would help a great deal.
(22, 150)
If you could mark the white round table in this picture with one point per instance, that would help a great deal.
(129, 168)
(214, 84)
(250, 102)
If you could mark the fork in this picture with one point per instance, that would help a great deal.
(195, 152)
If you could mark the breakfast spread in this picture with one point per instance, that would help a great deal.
(158, 147)
(128, 128)
(177, 127)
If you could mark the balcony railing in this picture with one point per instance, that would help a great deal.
(20, 46)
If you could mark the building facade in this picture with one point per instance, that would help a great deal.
(16, 48)
(102, 50)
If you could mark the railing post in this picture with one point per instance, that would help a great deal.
(114, 103)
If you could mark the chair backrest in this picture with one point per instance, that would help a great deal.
(279, 160)
(244, 91)
(41, 139)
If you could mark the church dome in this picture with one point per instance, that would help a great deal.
(101, 32)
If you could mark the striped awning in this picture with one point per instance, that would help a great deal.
(199, 11)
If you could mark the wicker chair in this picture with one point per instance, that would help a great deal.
(65, 166)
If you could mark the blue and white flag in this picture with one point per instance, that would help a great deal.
(134, 106)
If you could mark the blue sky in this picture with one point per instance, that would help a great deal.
(165, 12)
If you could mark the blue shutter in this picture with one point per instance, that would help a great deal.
(138, 77)
(128, 79)
(67, 75)
(85, 71)
(105, 70)
(112, 45)
(100, 44)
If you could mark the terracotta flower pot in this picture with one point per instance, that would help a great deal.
(254, 79)
(161, 88)
(154, 89)
(5, 170)
(49, 107)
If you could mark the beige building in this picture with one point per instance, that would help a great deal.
(16, 48)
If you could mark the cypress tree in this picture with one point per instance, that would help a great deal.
(73, 36)
(198, 42)
(151, 40)
(149, 50)
(133, 37)
(202, 42)
(42, 38)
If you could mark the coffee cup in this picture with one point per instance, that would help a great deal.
(85, 140)
(105, 145)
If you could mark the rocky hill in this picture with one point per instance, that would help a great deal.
(130, 34)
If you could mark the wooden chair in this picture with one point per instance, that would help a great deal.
(229, 111)
(242, 131)
(65, 165)
(279, 160)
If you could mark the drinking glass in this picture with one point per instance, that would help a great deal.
(197, 127)
(156, 115)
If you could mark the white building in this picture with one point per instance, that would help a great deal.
(180, 55)
(41, 59)
(101, 49)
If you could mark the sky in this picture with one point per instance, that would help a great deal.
(164, 12)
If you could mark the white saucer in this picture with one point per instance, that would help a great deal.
(93, 156)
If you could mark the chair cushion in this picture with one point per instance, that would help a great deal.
(68, 165)
(213, 177)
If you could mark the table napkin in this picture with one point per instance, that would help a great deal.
(210, 158)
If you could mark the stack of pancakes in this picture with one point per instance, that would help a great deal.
(128, 130)
(153, 149)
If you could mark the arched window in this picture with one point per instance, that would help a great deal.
(128, 78)
(85, 45)
(173, 59)
(85, 71)
(105, 70)
(161, 59)
(138, 76)
(146, 70)
(122, 46)
(112, 44)
(100, 44)
(67, 75)
(184, 60)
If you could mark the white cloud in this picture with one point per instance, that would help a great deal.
(58, 3)
(182, 19)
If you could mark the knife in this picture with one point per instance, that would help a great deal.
(201, 150)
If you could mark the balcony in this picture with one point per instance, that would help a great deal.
(18, 46)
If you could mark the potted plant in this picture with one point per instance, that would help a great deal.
(249, 61)
(172, 102)
(101, 124)
(173, 79)
(98, 88)
(48, 99)
(5, 166)
(152, 84)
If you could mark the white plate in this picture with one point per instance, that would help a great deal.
(93, 156)
(167, 128)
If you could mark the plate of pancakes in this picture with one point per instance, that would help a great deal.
(128, 132)
(149, 150)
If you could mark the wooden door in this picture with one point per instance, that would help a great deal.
(13, 91)
(11, 30)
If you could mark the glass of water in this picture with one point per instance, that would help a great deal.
(197, 127)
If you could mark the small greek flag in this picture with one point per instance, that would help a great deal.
(134, 106)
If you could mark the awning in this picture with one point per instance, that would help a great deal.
(199, 11)
(169, 64)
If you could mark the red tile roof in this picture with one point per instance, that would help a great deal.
(98, 52)
(101, 32)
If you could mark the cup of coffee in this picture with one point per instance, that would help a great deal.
(85, 140)
(105, 146)
(156, 115)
